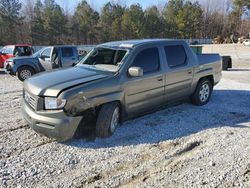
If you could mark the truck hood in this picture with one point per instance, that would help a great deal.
(52, 83)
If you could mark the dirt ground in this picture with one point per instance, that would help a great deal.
(178, 146)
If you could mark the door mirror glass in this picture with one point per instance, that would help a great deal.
(43, 57)
(46, 53)
(135, 72)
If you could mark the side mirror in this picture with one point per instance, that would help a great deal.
(135, 72)
(43, 57)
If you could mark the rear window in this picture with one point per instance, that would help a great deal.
(148, 60)
(67, 52)
(176, 56)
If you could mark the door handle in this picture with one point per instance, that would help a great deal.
(190, 72)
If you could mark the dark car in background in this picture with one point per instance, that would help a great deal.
(47, 58)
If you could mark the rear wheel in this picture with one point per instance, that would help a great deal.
(25, 72)
(202, 92)
(108, 119)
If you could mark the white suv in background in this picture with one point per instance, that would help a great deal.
(246, 42)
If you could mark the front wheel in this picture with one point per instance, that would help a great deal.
(24, 73)
(202, 92)
(108, 119)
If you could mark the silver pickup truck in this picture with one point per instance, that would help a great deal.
(117, 81)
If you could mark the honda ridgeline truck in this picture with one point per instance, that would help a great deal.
(117, 81)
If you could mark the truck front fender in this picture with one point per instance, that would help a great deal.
(80, 103)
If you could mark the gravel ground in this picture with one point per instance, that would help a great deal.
(179, 146)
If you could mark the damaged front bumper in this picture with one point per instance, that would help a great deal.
(54, 124)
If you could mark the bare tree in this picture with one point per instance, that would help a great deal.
(25, 27)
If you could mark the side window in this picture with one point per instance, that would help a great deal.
(27, 51)
(46, 53)
(67, 52)
(176, 56)
(20, 50)
(148, 60)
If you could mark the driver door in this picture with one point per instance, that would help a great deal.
(45, 58)
(146, 92)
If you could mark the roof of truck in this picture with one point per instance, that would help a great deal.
(136, 42)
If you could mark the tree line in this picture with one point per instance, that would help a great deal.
(45, 22)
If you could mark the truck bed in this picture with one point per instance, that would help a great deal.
(208, 58)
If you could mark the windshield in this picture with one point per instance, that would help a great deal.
(7, 50)
(37, 54)
(106, 59)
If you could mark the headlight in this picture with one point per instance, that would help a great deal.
(52, 103)
(11, 63)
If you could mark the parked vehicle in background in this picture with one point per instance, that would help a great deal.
(117, 81)
(246, 42)
(14, 50)
(82, 54)
(47, 58)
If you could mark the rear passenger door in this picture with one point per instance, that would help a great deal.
(180, 72)
(68, 56)
(146, 92)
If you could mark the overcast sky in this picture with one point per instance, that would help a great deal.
(97, 4)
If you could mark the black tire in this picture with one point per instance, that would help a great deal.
(104, 126)
(86, 127)
(202, 93)
(25, 72)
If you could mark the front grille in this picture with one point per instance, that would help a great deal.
(31, 101)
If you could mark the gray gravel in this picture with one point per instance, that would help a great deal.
(179, 146)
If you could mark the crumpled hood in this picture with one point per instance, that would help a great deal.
(51, 83)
